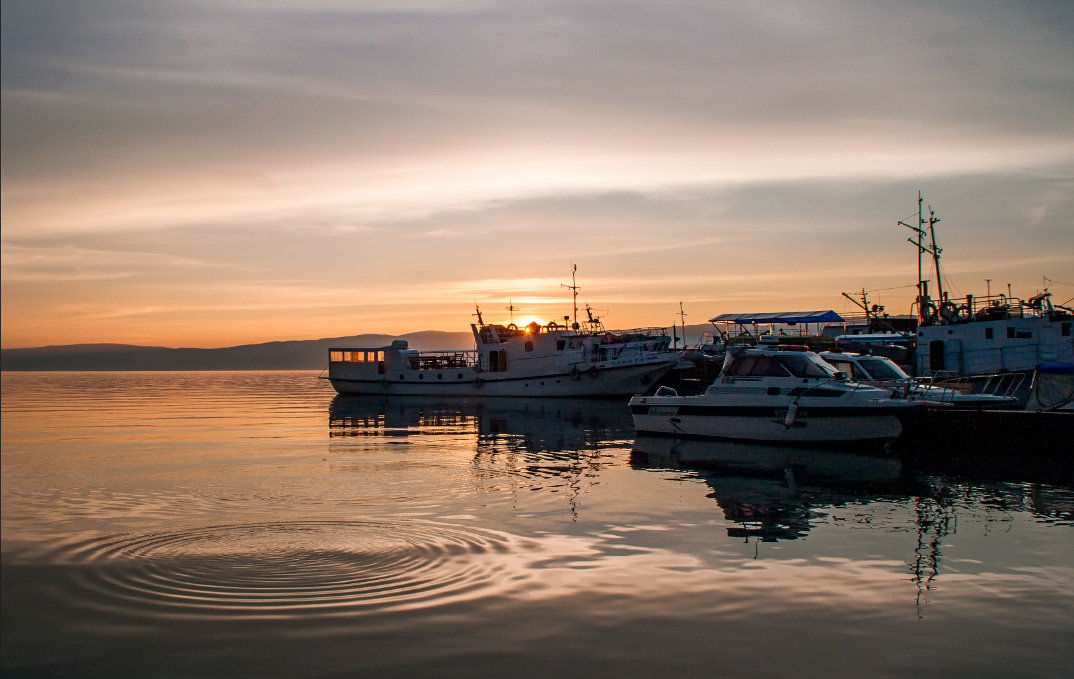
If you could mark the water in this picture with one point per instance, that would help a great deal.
(253, 524)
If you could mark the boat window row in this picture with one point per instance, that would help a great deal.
(355, 356)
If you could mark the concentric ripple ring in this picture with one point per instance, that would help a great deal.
(337, 567)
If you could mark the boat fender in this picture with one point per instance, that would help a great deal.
(574, 372)
(478, 381)
(792, 413)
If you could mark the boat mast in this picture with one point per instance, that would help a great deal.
(573, 287)
(864, 305)
(933, 220)
(682, 319)
(512, 309)
(923, 300)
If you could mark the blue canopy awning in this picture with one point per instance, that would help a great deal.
(828, 316)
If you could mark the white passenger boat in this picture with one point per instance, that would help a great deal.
(581, 359)
(880, 371)
(785, 395)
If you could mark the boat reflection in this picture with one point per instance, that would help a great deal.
(558, 446)
(774, 492)
(519, 424)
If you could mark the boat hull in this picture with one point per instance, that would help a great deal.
(769, 425)
(624, 380)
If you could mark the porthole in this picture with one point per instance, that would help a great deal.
(439, 376)
(402, 377)
(459, 376)
(420, 376)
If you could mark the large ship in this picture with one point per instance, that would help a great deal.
(992, 342)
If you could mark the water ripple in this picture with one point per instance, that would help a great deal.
(286, 568)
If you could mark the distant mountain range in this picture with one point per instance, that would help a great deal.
(289, 355)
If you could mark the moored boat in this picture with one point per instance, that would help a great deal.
(575, 359)
(776, 395)
(534, 361)
(989, 343)
(880, 371)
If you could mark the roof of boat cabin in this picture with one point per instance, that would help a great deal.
(827, 316)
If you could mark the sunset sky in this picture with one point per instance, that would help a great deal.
(236, 171)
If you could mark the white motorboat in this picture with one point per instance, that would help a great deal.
(880, 371)
(784, 395)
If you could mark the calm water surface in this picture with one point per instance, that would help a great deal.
(253, 524)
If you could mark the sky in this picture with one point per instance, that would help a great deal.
(209, 174)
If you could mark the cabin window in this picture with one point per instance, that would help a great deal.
(1064, 329)
(529, 346)
(756, 366)
(800, 366)
(989, 334)
(562, 343)
(882, 369)
(340, 356)
(1010, 333)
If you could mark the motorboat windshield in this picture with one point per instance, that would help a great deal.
(779, 364)
(882, 368)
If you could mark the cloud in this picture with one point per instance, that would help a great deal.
(430, 152)
(65, 262)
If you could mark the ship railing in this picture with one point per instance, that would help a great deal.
(983, 307)
(437, 360)
(1005, 384)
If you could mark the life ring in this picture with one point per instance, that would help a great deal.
(949, 311)
(552, 326)
(512, 327)
(930, 312)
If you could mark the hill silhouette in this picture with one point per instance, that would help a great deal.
(286, 355)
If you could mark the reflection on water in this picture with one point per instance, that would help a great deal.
(190, 524)
(774, 493)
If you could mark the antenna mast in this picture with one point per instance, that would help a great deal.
(933, 221)
(512, 309)
(573, 287)
(682, 320)
(922, 285)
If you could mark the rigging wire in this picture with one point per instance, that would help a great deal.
(897, 287)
